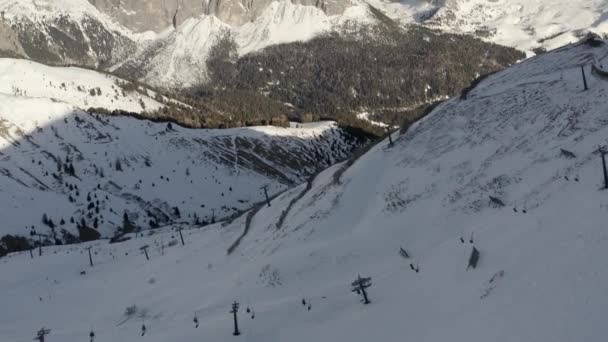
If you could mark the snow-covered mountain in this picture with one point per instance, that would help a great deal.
(526, 25)
(62, 32)
(178, 58)
(509, 169)
(56, 159)
(79, 87)
(167, 43)
(157, 15)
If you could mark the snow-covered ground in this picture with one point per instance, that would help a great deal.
(125, 164)
(526, 24)
(521, 24)
(80, 87)
(204, 173)
(541, 274)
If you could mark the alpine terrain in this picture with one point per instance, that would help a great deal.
(296, 170)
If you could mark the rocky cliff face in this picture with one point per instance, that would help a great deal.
(156, 15)
(151, 15)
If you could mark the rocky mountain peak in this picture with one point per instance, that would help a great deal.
(157, 15)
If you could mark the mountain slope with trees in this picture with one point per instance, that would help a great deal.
(484, 221)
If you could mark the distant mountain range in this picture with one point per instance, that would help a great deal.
(169, 42)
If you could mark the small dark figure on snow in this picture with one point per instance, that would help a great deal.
(91, 336)
(143, 329)
(303, 301)
(195, 322)
(473, 259)
(403, 253)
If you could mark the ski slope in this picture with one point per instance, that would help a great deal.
(541, 275)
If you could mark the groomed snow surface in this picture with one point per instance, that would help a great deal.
(541, 274)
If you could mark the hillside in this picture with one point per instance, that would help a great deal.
(82, 169)
(526, 25)
(80, 87)
(178, 58)
(62, 32)
(508, 168)
(382, 69)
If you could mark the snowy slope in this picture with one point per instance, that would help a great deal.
(63, 32)
(71, 85)
(525, 24)
(541, 275)
(177, 58)
(522, 24)
(39, 9)
(123, 164)
(282, 22)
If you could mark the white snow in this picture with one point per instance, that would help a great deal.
(541, 275)
(281, 22)
(70, 85)
(526, 24)
(183, 61)
(202, 172)
(41, 10)
(365, 116)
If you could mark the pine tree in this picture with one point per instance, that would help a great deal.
(127, 225)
